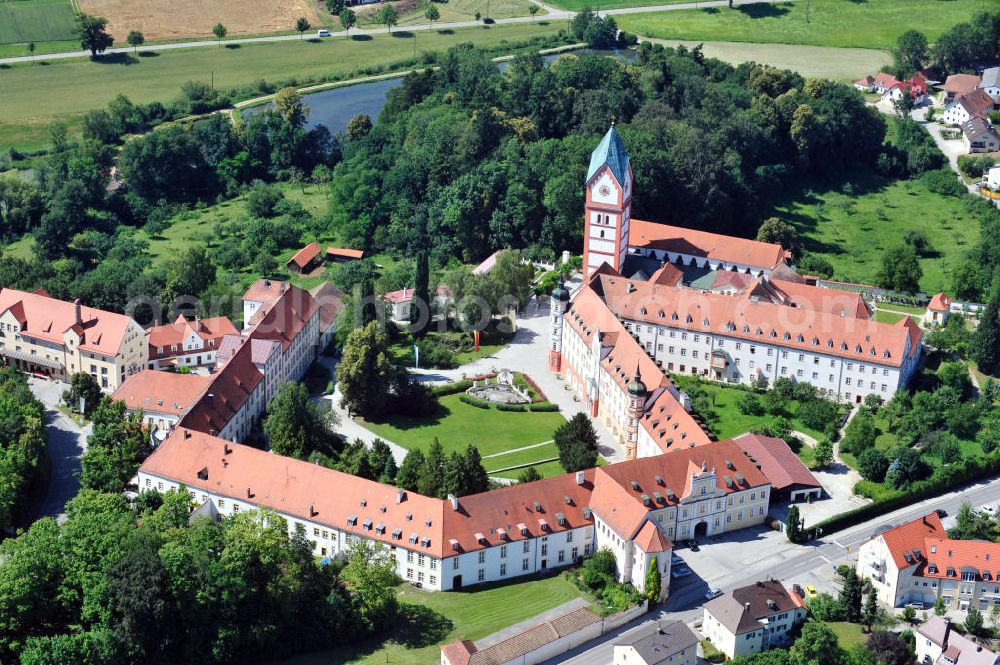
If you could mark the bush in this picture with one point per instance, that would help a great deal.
(749, 405)
(511, 407)
(543, 407)
(474, 401)
(451, 388)
(943, 181)
(974, 167)
(818, 266)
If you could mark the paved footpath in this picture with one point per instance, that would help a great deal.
(553, 14)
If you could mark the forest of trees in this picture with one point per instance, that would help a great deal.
(23, 448)
(119, 583)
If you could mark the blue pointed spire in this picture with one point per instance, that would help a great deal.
(610, 151)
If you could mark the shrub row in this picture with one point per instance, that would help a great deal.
(473, 401)
(543, 407)
(950, 477)
(511, 407)
(451, 388)
(534, 386)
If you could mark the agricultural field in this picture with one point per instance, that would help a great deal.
(837, 64)
(34, 97)
(499, 435)
(600, 5)
(869, 24)
(178, 19)
(430, 619)
(411, 12)
(23, 21)
(852, 224)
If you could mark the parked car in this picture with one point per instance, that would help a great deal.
(989, 509)
(941, 512)
(692, 545)
(322, 33)
(915, 606)
(797, 588)
(713, 592)
(680, 571)
(811, 590)
(675, 560)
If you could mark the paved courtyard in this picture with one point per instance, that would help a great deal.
(67, 443)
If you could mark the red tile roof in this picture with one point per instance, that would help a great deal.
(909, 536)
(818, 299)
(459, 652)
(264, 291)
(399, 297)
(959, 84)
(778, 463)
(721, 314)
(939, 303)
(977, 102)
(161, 392)
(343, 253)
(884, 80)
(165, 336)
(946, 558)
(330, 300)
(305, 256)
(488, 263)
(701, 243)
(651, 541)
(230, 389)
(45, 318)
(668, 275)
(285, 317)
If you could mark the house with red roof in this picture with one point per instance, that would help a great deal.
(938, 310)
(162, 397)
(305, 260)
(187, 343)
(957, 85)
(974, 104)
(752, 619)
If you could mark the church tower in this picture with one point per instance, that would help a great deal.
(609, 205)
(636, 404)
(558, 303)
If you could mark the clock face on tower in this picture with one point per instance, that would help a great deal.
(604, 190)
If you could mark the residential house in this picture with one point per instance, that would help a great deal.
(752, 619)
(938, 310)
(343, 255)
(957, 85)
(937, 642)
(305, 260)
(991, 83)
(399, 303)
(55, 339)
(882, 82)
(790, 479)
(916, 87)
(666, 643)
(187, 343)
(978, 135)
(865, 83)
(993, 178)
(974, 104)
(162, 397)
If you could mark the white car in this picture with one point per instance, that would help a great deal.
(989, 509)
(714, 592)
(322, 33)
(680, 571)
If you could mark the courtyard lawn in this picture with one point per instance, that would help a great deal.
(870, 24)
(883, 316)
(848, 634)
(852, 224)
(435, 618)
(548, 470)
(34, 97)
(523, 458)
(838, 64)
(457, 424)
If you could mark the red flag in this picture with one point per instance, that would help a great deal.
(475, 334)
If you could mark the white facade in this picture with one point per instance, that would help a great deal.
(955, 113)
(678, 258)
(772, 631)
(192, 352)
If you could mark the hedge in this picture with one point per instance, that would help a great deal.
(473, 401)
(951, 477)
(543, 406)
(451, 388)
(511, 407)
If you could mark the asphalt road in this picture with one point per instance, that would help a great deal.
(687, 594)
(554, 14)
(67, 443)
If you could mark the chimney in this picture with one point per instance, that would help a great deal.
(579, 477)
(187, 434)
(249, 493)
(312, 510)
(747, 606)
(78, 311)
(454, 501)
(226, 449)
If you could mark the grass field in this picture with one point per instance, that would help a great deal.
(867, 23)
(33, 97)
(434, 618)
(883, 316)
(838, 64)
(23, 21)
(848, 634)
(852, 230)
(412, 13)
(459, 424)
(599, 5)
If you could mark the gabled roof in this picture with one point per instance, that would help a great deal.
(487, 264)
(884, 80)
(977, 102)
(779, 464)
(344, 253)
(46, 318)
(264, 291)
(161, 392)
(976, 127)
(305, 256)
(958, 648)
(713, 246)
(951, 558)
(959, 84)
(741, 610)
(991, 78)
(229, 390)
(650, 540)
(910, 536)
(330, 300)
(170, 334)
(399, 297)
(283, 318)
(610, 152)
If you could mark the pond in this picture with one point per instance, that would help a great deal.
(335, 107)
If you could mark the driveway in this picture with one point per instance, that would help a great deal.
(67, 443)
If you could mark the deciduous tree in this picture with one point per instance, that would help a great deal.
(365, 373)
(295, 425)
(577, 443)
(94, 35)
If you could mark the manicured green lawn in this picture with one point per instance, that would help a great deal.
(848, 634)
(459, 424)
(532, 456)
(868, 24)
(888, 317)
(453, 11)
(436, 618)
(23, 21)
(838, 64)
(910, 309)
(852, 226)
(35, 96)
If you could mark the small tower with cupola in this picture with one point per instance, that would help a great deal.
(558, 303)
(609, 205)
(636, 402)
